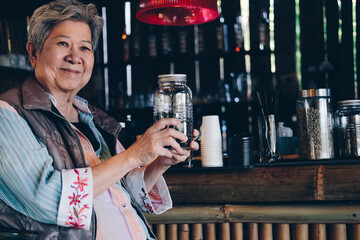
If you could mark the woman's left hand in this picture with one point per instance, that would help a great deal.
(177, 158)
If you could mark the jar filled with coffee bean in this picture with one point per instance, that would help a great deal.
(347, 125)
(315, 124)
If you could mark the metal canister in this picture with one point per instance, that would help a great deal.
(347, 125)
(315, 124)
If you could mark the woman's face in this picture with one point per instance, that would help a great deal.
(66, 60)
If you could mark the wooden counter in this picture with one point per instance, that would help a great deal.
(279, 182)
(310, 200)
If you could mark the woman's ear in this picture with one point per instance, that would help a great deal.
(33, 52)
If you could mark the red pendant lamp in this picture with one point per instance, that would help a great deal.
(176, 12)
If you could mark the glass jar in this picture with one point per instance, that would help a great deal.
(173, 99)
(315, 124)
(347, 125)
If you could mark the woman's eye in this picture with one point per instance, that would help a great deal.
(63, 44)
(86, 48)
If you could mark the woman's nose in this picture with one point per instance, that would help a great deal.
(73, 56)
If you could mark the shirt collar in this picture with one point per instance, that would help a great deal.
(78, 102)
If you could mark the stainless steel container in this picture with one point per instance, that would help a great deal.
(315, 124)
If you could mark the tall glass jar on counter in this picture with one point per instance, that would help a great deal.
(173, 99)
(347, 125)
(315, 124)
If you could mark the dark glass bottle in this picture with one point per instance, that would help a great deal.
(152, 42)
(239, 38)
(264, 30)
(222, 35)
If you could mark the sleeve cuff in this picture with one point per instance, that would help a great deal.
(75, 207)
(156, 201)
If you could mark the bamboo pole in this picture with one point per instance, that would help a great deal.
(160, 231)
(172, 232)
(301, 232)
(253, 231)
(210, 232)
(286, 213)
(184, 232)
(338, 232)
(355, 233)
(237, 231)
(318, 232)
(197, 231)
(282, 231)
(266, 232)
(225, 231)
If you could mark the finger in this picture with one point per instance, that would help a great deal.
(176, 134)
(176, 147)
(182, 157)
(194, 146)
(163, 123)
(196, 134)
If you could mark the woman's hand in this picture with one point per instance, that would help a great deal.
(154, 142)
(163, 162)
(177, 158)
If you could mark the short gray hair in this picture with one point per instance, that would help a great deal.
(46, 17)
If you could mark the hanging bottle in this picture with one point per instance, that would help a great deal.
(126, 45)
(239, 38)
(166, 43)
(152, 42)
(264, 30)
(135, 41)
(183, 40)
(201, 39)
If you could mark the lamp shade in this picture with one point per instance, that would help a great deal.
(176, 12)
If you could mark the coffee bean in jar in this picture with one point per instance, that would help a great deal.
(315, 124)
(347, 125)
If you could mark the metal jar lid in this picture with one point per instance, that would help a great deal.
(321, 92)
(352, 102)
(171, 78)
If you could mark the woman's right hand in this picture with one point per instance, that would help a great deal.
(152, 143)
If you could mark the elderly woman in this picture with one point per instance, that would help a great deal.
(63, 172)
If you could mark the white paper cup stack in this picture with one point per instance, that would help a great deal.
(210, 142)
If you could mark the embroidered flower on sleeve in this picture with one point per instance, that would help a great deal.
(145, 200)
(76, 208)
(81, 183)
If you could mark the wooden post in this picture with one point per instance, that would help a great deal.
(197, 232)
(172, 232)
(318, 231)
(210, 233)
(237, 231)
(266, 232)
(184, 232)
(160, 231)
(301, 232)
(337, 232)
(253, 231)
(225, 231)
(282, 231)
